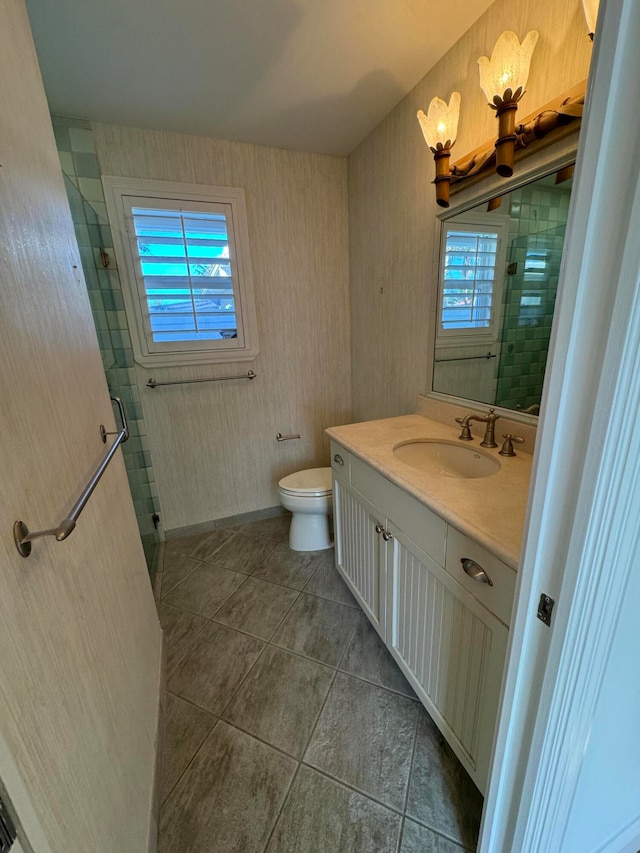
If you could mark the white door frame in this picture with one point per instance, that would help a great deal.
(583, 520)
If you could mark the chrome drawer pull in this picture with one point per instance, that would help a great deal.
(387, 536)
(476, 572)
(379, 528)
(337, 458)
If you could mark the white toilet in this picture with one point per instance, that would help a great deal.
(308, 495)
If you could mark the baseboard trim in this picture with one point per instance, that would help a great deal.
(160, 725)
(230, 520)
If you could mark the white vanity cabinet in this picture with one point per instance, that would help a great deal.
(401, 561)
(360, 551)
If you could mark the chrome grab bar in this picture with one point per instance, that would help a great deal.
(123, 421)
(153, 384)
(21, 534)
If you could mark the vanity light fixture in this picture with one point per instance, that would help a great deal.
(503, 78)
(440, 128)
(591, 14)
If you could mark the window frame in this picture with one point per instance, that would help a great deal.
(469, 222)
(121, 194)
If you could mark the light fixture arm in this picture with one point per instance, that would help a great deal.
(506, 142)
(443, 176)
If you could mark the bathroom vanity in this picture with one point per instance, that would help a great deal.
(405, 532)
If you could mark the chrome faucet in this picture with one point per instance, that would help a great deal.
(489, 419)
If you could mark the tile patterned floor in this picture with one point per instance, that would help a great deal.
(288, 726)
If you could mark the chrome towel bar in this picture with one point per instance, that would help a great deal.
(467, 358)
(153, 384)
(21, 534)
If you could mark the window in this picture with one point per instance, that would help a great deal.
(471, 274)
(183, 254)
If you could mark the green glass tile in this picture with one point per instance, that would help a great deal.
(91, 189)
(81, 140)
(100, 320)
(66, 162)
(108, 300)
(91, 279)
(91, 214)
(105, 341)
(101, 211)
(61, 133)
(82, 234)
(86, 165)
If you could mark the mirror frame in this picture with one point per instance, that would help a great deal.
(555, 157)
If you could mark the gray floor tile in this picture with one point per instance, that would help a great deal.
(201, 546)
(206, 589)
(243, 553)
(185, 729)
(441, 794)
(327, 583)
(229, 798)
(419, 839)
(274, 529)
(368, 658)
(364, 737)
(179, 628)
(317, 628)
(257, 607)
(280, 700)
(322, 816)
(287, 567)
(209, 667)
(176, 568)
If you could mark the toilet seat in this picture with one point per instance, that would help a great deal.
(314, 482)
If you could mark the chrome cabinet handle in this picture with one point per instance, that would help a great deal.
(476, 572)
(379, 528)
(338, 459)
(386, 536)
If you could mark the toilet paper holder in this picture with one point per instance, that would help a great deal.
(281, 437)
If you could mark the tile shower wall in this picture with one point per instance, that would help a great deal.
(74, 141)
(536, 239)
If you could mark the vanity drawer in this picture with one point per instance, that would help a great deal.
(497, 598)
(340, 460)
(424, 527)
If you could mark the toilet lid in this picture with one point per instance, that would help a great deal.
(313, 481)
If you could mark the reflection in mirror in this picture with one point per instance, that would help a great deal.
(499, 269)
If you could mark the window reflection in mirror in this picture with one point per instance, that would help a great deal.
(499, 270)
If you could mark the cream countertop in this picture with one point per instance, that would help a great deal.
(490, 510)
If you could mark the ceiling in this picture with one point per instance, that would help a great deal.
(310, 75)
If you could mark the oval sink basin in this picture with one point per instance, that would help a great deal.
(446, 459)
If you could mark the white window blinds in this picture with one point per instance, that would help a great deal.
(472, 270)
(183, 252)
(187, 273)
(469, 278)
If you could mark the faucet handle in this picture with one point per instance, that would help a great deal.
(507, 447)
(465, 435)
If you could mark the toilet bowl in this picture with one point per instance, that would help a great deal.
(308, 495)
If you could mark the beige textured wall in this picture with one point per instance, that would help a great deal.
(392, 204)
(213, 445)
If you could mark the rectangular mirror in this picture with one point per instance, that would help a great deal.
(498, 279)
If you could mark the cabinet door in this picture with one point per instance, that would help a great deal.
(451, 649)
(360, 551)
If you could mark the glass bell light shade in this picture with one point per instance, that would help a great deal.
(591, 14)
(504, 76)
(440, 124)
(440, 128)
